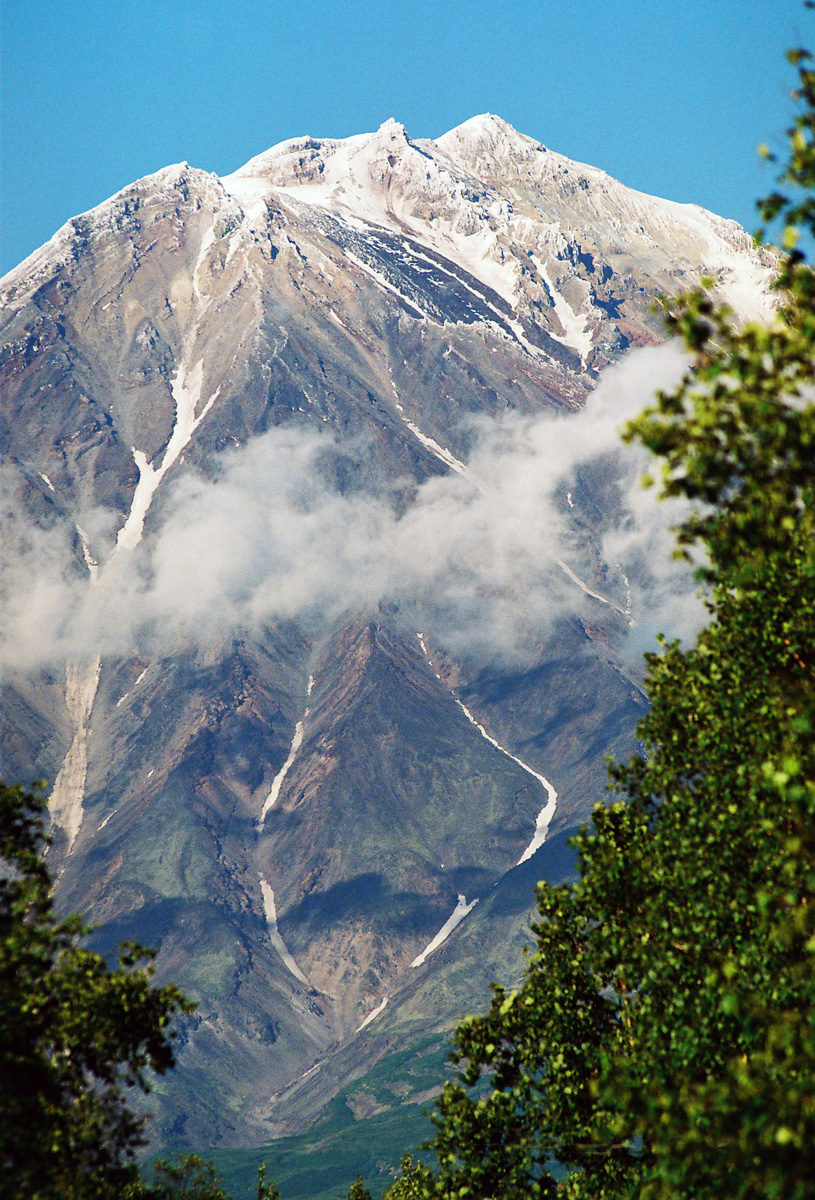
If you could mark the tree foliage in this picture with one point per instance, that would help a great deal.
(186, 1177)
(75, 1037)
(662, 1043)
(358, 1190)
(413, 1181)
(76, 1040)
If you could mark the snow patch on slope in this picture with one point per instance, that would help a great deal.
(545, 815)
(373, 1014)
(577, 335)
(90, 562)
(186, 389)
(584, 587)
(379, 278)
(296, 743)
(440, 452)
(67, 798)
(547, 812)
(456, 917)
(274, 933)
(277, 782)
(742, 280)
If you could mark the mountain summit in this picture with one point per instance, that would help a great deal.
(513, 213)
(320, 574)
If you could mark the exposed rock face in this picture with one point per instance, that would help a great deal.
(293, 813)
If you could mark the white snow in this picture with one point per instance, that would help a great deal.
(545, 815)
(186, 386)
(440, 452)
(136, 683)
(379, 278)
(274, 933)
(628, 602)
(67, 798)
(65, 804)
(250, 192)
(206, 242)
(542, 823)
(350, 179)
(584, 587)
(575, 327)
(373, 1014)
(743, 281)
(277, 782)
(744, 287)
(547, 812)
(488, 199)
(46, 480)
(426, 652)
(186, 389)
(130, 534)
(456, 917)
(534, 173)
(90, 561)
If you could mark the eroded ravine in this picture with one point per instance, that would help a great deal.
(67, 799)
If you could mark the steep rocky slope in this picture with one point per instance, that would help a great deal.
(287, 774)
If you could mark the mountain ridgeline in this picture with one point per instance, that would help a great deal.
(262, 632)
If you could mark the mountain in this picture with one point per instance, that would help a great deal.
(318, 612)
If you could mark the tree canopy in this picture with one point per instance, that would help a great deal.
(77, 1042)
(75, 1036)
(662, 1043)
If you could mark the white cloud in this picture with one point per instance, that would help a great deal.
(272, 537)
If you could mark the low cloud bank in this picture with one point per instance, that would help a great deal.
(488, 561)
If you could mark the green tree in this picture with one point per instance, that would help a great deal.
(412, 1183)
(358, 1190)
(662, 1043)
(76, 1038)
(185, 1177)
(266, 1189)
(189, 1177)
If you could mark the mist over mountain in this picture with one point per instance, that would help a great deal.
(327, 577)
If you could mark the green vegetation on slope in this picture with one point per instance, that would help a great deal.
(321, 1163)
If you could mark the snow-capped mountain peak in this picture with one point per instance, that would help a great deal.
(549, 236)
(487, 134)
(523, 220)
(240, 422)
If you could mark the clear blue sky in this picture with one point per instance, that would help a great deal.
(670, 96)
